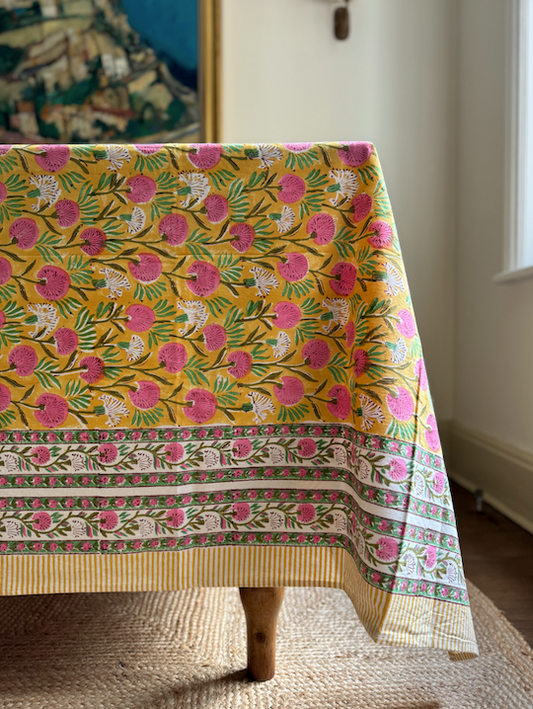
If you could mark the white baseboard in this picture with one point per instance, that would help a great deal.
(504, 473)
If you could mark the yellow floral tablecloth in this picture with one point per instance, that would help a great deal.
(210, 374)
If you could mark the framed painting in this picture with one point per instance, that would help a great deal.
(109, 71)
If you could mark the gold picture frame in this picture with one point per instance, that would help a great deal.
(209, 70)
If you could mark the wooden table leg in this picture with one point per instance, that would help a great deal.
(261, 607)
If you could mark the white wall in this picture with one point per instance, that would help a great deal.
(287, 79)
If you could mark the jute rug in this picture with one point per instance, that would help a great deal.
(187, 649)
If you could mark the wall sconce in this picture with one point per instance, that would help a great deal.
(342, 21)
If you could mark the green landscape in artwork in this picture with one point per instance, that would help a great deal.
(83, 71)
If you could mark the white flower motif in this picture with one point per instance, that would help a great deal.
(409, 564)
(282, 346)
(136, 221)
(363, 467)
(398, 351)
(146, 527)
(360, 544)
(395, 282)
(452, 572)
(419, 486)
(340, 456)
(135, 348)
(268, 154)
(369, 412)
(346, 184)
(196, 187)
(46, 190)
(340, 521)
(12, 528)
(47, 318)
(114, 409)
(261, 405)
(11, 463)
(212, 521)
(78, 461)
(78, 528)
(275, 519)
(264, 281)
(144, 460)
(116, 154)
(340, 312)
(211, 458)
(276, 454)
(196, 313)
(115, 281)
(286, 220)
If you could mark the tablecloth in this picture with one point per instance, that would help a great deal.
(210, 374)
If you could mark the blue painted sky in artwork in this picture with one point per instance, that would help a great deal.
(167, 25)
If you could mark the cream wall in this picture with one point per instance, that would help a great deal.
(393, 82)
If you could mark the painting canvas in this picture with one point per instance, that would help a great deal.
(99, 71)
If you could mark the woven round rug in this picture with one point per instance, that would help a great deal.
(188, 649)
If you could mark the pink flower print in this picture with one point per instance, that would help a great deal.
(40, 455)
(148, 269)
(397, 470)
(306, 447)
(291, 392)
(54, 283)
(242, 448)
(297, 147)
(205, 155)
(214, 337)
(322, 228)
(142, 189)
(361, 362)
(340, 405)
(406, 326)
(94, 367)
(432, 434)
(5, 398)
(42, 521)
(69, 546)
(94, 241)
(137, 544)
(431, 557)
(216, 208)
(382, 237)
(306, 513)
(439, 483)
(2, 319)
(24, 233)
(173, 229)
(37, 546)
(316, 354)
(3, 192)
(401, 406)
(53, 158)
(148, 148)
(147, 395)
(107, 453)
(218, 433)
(362, 205)
(206, 281)
(387, 549)
(293, 189)
(301, 538)
(108, 519)
(36, 481)
(23, 359)
(67, 213)
(345, 277)
(288, 315)
(175, 517)
(152, 435)
(5, 271)
(295, 268)
(389, 499)
(355, 154)
(173, 356)
(66, 341)
(245, 237)
(241, 511)
(350, 334)
(204, 405)
(383, 525)
(141, 318)
(119, 436)
(242, 364)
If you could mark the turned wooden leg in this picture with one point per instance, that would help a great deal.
(261, 607)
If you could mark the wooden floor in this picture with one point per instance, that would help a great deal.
(498, 559)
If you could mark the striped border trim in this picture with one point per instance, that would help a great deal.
(388, 618)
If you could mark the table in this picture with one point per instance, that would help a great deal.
(210, 374)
